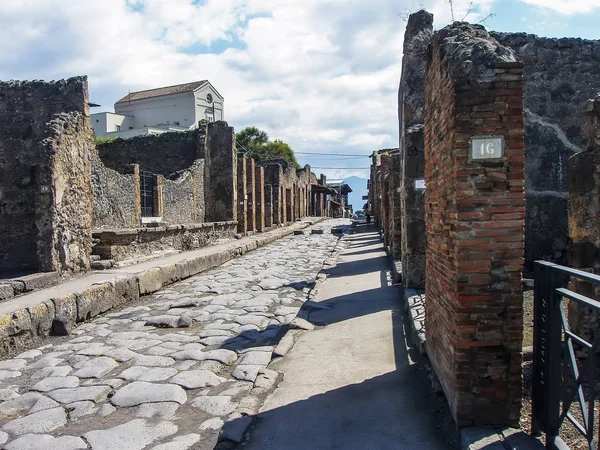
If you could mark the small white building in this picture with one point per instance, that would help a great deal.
(155, 111)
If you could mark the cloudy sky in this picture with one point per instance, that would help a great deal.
(321, 75)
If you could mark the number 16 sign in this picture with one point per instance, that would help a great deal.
(486, 147)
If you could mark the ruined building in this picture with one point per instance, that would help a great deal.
(66, 202)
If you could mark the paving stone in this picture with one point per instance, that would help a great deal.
(129, 335)
(256, 358)
(219, 405)
(271, 283)
(29, 354)
(141, 373)
(140, 392)
(134, 344)
(180, 442)
(58, 371)
(173, 337)
(211, 424)
(267, 379)
(7, 394)
(6, 374)
(163, 410)
(52, 383)
(213, 366)
(237, 388)
(121, 354)
(153, 361)
(235, 428)
(134, 435)
(94, 350)
(45, 441)
(195, 379)
(251, 319)
(92, 393)
(216, 340)
(112, 382)
(39, 422)
(13, 364)
(301, 324)
(169, 321)
(159, 350)
(247, 372)
(106, 410)
(80, 409)
(211, 333)
(221, 355)
(3, 437)
(26, 403)
(96, 368)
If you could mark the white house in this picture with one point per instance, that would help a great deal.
(154, 111)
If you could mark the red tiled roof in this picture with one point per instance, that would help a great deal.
(177, 89)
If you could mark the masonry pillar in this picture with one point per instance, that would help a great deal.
(268, 205)
(411, 105)
(396, 223)
(220, 173)
(250, 189)
(583, 174)
(475, 209)
(242, 206)
(259, 198)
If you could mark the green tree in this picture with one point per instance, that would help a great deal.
(255, 144)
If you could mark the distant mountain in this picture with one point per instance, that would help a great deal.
(359, 188)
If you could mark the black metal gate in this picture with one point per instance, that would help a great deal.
(147, 193)
(561, 379)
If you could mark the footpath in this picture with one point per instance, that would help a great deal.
(54, 310)
(352, 382)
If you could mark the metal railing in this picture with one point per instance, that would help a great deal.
(558, 380)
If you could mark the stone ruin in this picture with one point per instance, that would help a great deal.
(63, 198)
(464, 231)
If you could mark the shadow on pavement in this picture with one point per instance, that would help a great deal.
(396, 410)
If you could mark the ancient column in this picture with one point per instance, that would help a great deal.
(475, 211)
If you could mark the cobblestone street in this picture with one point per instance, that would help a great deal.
(166, 373)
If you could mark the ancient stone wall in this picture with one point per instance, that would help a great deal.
(163, 154)
(475, 225)
(396, 205)
(116, 196)
(250, 192)
(242, 195)
(183, 196)
(45, 190)
(584, 221)
(259, 197)
(560, 76)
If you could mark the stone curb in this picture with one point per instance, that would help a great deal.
(497, 438)
(21, 328)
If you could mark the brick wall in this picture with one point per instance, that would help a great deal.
(475, 225)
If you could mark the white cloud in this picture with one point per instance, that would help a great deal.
(567, 6)
(320, 74)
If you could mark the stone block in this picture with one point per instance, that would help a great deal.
(66, 308)
(37, 281)
(127, 290)
(170, 274)
(150, 281)
(95, 300)
(6, 291)
(15, 331)
(183, 270)
(42, 317)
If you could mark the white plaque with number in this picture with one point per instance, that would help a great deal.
(420, 183)
(487, 147)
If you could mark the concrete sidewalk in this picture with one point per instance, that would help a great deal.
(52, 310)
(352, 383)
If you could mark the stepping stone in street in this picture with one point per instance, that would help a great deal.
(140, 392)
(168, 321)
(134, 435)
